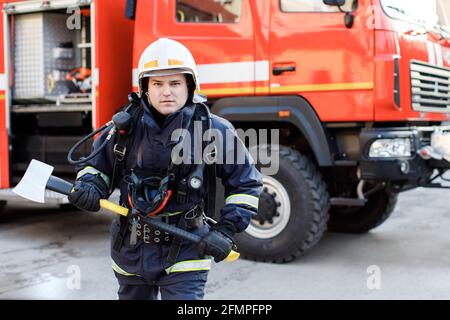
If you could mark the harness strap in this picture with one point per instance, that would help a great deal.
(189, 220)
(211, 174)
(181, 187)
(120, 149)
(175, 246)
(118, 241)
(122, 146)
(211, 190)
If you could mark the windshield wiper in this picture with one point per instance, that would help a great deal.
(442, 30)
(421, 23)
(397, 9)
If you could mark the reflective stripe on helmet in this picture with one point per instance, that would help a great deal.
(92, 170)
(151, 64)
(174, 62)
(190, 265)
(241, 198)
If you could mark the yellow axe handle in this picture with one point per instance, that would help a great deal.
(113, 207)
(232, 256)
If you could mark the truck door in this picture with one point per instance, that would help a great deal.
(220, 36)
(313, 54)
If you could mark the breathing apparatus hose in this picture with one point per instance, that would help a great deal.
(108, 126)
(121, 121)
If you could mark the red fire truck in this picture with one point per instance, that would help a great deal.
(358, 89)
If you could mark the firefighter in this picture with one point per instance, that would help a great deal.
(146, 261)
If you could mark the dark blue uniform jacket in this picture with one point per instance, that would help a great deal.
(242, 181)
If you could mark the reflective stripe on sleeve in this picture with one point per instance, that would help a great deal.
(92, 170)
(190, 265)
(119, 270)
(241, 198)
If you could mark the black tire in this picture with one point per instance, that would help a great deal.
(306, 220)
(378, 208)
(2, 205)
(68, 207)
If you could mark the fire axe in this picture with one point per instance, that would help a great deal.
(38, 177)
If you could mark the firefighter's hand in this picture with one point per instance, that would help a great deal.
(215, 244)
(86, 196)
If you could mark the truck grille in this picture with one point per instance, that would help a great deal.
(430, 87)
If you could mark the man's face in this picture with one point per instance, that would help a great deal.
(167, 94)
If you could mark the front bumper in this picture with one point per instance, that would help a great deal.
(408, 168)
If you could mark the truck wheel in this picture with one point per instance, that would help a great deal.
(293, 211)
(67, 207)
(378, 208)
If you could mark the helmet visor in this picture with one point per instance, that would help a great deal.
(165, 72)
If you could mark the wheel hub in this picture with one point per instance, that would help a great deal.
(273, 212)
(267, 207)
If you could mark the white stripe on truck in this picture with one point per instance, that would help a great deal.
(2, 81)
(431, 54)
(230, 72)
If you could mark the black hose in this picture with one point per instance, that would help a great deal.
(112, 130)
(120, 121)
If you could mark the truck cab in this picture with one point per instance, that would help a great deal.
(357, 90)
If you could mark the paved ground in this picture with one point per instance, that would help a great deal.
(49, 254)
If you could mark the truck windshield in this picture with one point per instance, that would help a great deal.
(424, 12)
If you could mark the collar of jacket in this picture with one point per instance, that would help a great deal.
(177, 120)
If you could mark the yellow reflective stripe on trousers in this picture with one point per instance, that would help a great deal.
(94, 171)
(190, 265)
(242, 198)
(119, 270)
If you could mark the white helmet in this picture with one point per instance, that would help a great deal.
(166, 57)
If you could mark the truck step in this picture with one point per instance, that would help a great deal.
(354, 202)
(345, 163)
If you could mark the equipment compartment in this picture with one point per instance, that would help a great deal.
(51, 59)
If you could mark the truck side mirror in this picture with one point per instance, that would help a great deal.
(349, 17)
(130, 9)
(339, 3)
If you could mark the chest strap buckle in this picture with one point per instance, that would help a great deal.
(119, 151)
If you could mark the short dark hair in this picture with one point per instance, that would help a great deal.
(191, 86)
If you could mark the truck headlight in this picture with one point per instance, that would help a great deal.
(390, 148)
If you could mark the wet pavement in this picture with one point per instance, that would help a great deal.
(47, 253)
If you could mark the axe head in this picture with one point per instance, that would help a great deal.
(33, 183)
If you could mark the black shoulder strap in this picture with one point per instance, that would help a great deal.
(211, 190)
(210, 198)
(123, 143)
